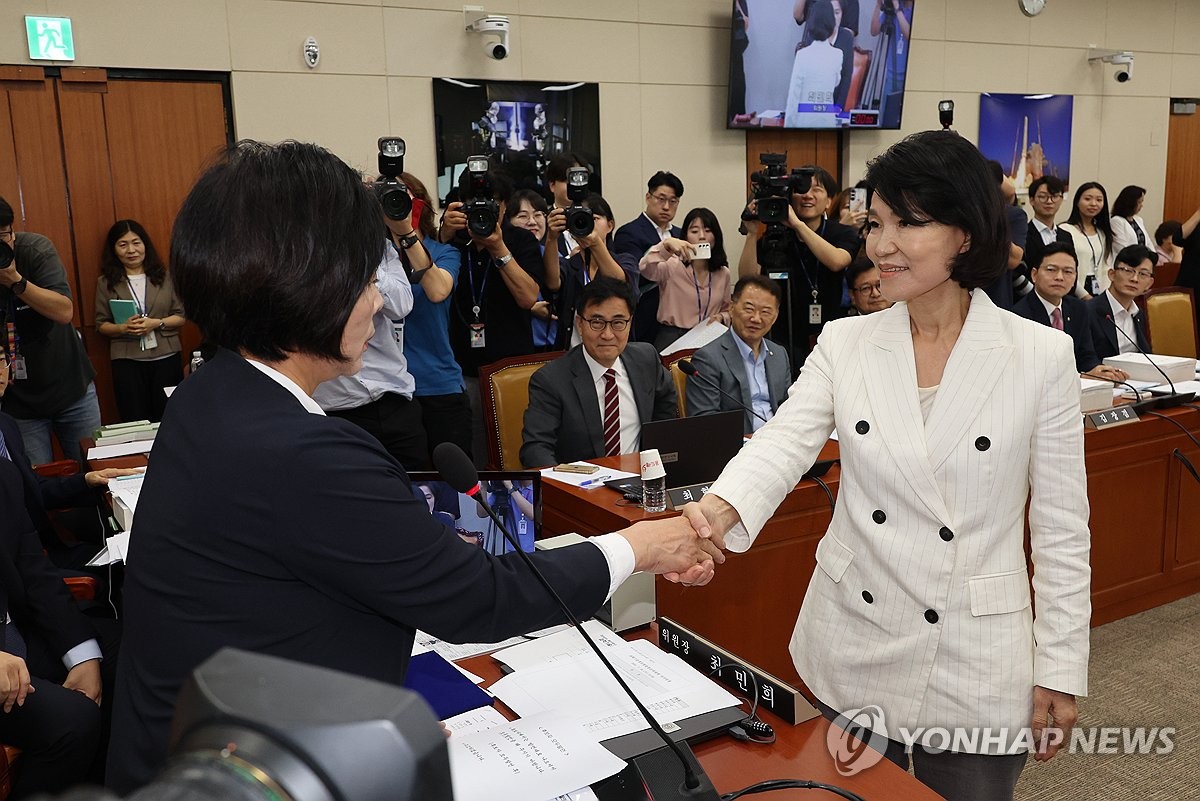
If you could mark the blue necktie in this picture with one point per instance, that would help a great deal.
(4, 454)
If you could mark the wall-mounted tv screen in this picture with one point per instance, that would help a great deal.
(818, 64)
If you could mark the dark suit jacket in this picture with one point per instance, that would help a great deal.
(1104, 331)
(1076, 322)
(639, 235)
(264, 527)
(721, 361)
(40, 493)
(31, 588)
(562, 421)
(1034, 245)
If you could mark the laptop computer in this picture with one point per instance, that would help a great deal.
(694, 450)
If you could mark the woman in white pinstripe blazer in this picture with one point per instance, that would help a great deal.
(949, 413)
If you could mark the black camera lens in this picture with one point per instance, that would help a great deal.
(394, 197)
(482, 216)
(580, 221)
(6, 255)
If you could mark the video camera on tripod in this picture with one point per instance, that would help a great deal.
(393, 194)
(773, 190)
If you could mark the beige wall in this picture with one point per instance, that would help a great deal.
(662, 68)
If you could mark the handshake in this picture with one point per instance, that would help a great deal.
(684, 549)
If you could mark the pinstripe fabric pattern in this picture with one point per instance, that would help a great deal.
(949, 544)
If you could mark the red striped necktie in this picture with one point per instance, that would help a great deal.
(612, 415)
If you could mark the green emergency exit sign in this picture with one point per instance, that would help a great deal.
(50, 38)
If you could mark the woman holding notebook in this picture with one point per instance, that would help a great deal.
(137, 308)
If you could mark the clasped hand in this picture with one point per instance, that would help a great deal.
(684, 549)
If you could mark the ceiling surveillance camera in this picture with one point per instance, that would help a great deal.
(493, 28)
(1123, 59)
(496, 50)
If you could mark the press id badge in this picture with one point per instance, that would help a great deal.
(814, 313)
(398, 331)
(20, 370)
(478, 339)
(149, 341)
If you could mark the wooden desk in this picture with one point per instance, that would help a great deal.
(1145, 526)
(799, 752)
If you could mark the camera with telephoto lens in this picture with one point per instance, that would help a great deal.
(481, 208)
(6, 255)
(393, 194)
(580, 221)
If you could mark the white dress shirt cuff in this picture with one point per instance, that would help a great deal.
(84, 652)
(619, 555)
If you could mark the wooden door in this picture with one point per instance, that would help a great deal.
(1182, 196)
(82, 149)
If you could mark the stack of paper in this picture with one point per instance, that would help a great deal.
(1140, 367)
(125, 491)
(1094, 395)
(120, 433)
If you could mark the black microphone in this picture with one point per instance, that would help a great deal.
(457, 469)
(1162, 401)
(689, 369)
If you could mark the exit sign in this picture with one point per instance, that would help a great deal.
(50, 38)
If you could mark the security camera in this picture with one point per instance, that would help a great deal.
(1120, 58)
(493, 28)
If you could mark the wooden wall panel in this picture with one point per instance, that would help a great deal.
(802, 147)
(40, 202)
(1182, 194)
(160, 136)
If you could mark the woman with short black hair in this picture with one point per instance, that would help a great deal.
(951, 415)
(267, 526)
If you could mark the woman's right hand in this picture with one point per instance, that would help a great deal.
(678, 247)
(556, 223)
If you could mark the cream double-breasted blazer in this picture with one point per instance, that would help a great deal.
(920, 603)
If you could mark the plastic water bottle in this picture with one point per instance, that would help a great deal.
(196, 363)
(654, 482)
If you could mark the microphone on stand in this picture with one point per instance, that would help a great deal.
(687, 368)
(1162, 401)
(457, 469)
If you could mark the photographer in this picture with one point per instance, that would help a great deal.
(893, 19)
(503, 275)
(51, 375)
(591, 256)
(379, 398)
(811, 250)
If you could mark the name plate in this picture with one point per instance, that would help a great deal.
(681, 495)
(1108, 418)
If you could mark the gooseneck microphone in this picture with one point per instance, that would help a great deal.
(689, 369)
(1162, 401)
(457, 469)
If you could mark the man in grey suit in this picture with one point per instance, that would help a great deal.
(592, 402)
(742, 361)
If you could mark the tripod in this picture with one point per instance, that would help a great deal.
(873, 86)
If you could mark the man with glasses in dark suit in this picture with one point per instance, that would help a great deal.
(1131, 275)
(593, 401)
(664, 191)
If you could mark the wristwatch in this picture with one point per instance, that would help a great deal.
(162, 325)
(407, 242)
(503, 260)
(18, 288)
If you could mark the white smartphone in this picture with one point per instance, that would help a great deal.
(703, 250)
(858, 199)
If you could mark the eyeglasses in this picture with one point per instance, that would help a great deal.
(1044, 197)
(523, 216)
(664, 200)
(599, 324)
(1067, 272)
(9, 235)
(1141, 275)
(875, 287)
